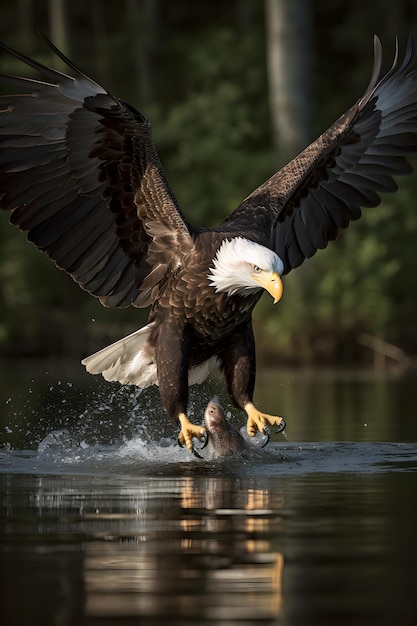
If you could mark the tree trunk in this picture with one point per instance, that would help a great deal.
(59, 25)
(288, 27)
(142, 19)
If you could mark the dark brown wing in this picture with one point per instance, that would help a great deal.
(305, 204)
(80, 173)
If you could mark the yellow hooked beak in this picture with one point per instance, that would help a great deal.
(271, 282)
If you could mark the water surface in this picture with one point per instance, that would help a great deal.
(106, 521)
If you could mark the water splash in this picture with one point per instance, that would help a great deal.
(58, 453)
(104, 430)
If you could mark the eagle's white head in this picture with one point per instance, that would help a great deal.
(243, 267)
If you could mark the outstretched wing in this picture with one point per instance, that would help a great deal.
(304, 205)
(80, 173)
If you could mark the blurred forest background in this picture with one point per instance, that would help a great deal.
(234, 89)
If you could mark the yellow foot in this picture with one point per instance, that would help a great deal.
(188, 431)
(258, 421)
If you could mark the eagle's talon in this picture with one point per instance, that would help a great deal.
(194, 451)
(282, 426)
(205, 442)
(188, 432)
(257, 420)
(267, 435)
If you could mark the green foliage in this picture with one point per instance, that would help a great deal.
(214, 142)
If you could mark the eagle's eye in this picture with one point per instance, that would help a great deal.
(257, 269)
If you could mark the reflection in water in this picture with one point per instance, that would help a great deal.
(191, 548)
(192, 556)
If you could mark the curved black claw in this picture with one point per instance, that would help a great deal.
(267, 435)
(205, 440)
(193, 450)
(281, 427)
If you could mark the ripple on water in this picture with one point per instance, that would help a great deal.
(61, 452)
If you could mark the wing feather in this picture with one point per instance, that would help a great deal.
(80, 173)
(346, 168)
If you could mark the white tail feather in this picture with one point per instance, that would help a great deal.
(131, 361)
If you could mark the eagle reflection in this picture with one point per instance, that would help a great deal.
(194, 548)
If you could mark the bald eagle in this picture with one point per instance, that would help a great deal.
(80, 173)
